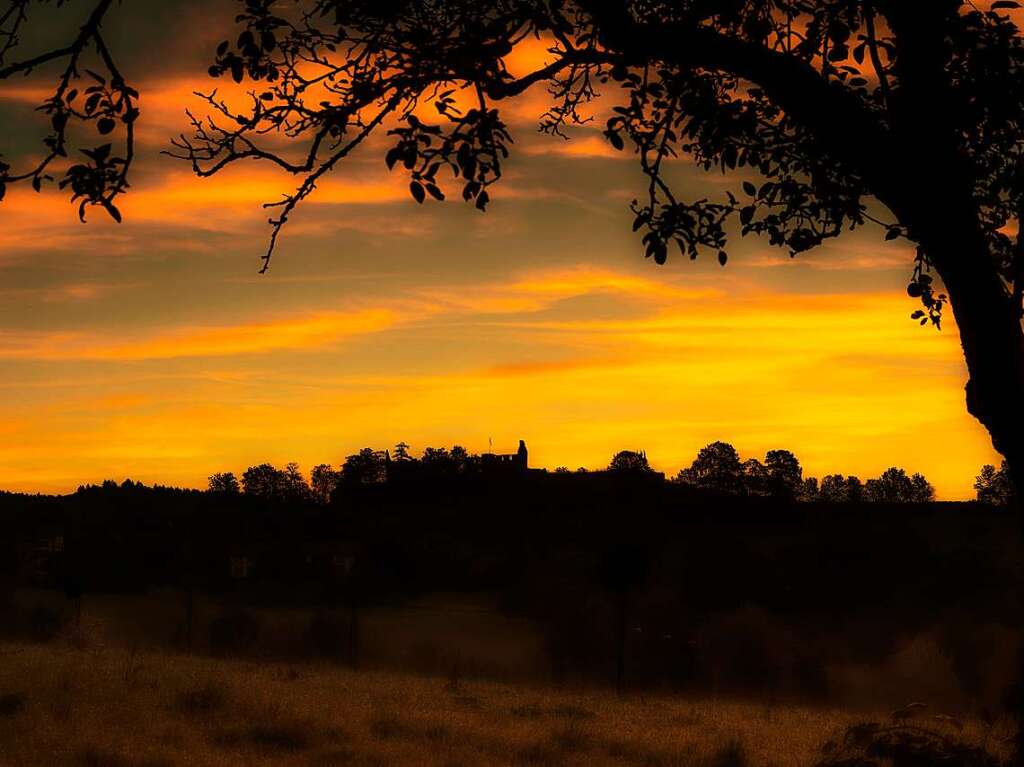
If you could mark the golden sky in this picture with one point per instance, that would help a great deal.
(153, 350)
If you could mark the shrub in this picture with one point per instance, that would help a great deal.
(901, 745)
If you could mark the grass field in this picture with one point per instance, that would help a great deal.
(119, 708)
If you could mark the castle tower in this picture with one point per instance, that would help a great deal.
(521, 455)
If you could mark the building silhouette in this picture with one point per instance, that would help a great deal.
(517, 462)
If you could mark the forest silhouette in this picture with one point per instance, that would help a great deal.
(804, 571)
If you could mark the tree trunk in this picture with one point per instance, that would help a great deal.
(991, 337)
(993, 345)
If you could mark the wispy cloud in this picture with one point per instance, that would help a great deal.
(303, 332)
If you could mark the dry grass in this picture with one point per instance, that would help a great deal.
(81, 707)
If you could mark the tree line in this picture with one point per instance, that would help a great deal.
(717, 467)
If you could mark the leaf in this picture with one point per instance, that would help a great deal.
(481, 200)
(615, 139)
(105, 126)
(1004, 4)
(3, 190)
(723, 257)
(435, 192)
(417, 191)
(892, 233)
(112, 210)
(749, 188)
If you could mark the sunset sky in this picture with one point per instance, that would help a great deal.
(153, 349)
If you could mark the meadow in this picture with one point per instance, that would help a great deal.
(112, 706)
(124, 708)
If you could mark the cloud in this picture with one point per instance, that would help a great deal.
(302, 332)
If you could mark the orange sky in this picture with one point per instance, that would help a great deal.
(153, 350)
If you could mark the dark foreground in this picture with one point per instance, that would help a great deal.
(100, 705)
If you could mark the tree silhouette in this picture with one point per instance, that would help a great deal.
(460, 458)
(921, 490)
(263, 481)
(322, 481)
(630, 462)
(993, 486)
(806, 491)
(894, 486)
(295, 486)
(224, 483)
(756, 479)
(835, 489)
(366, 467)
(784, 472)
(716, 467)
(854, 489)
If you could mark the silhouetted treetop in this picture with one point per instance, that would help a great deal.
(630, 462)
(716, 467)
(894, 486)
(225, 482)
(994, 486)
(322, 482)
(272, 484)
(784, 472)
(834, 488)
(367, 467)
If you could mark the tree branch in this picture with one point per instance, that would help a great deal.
(837, 119)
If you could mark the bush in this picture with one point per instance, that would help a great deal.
(901, 745)
(234, 631)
